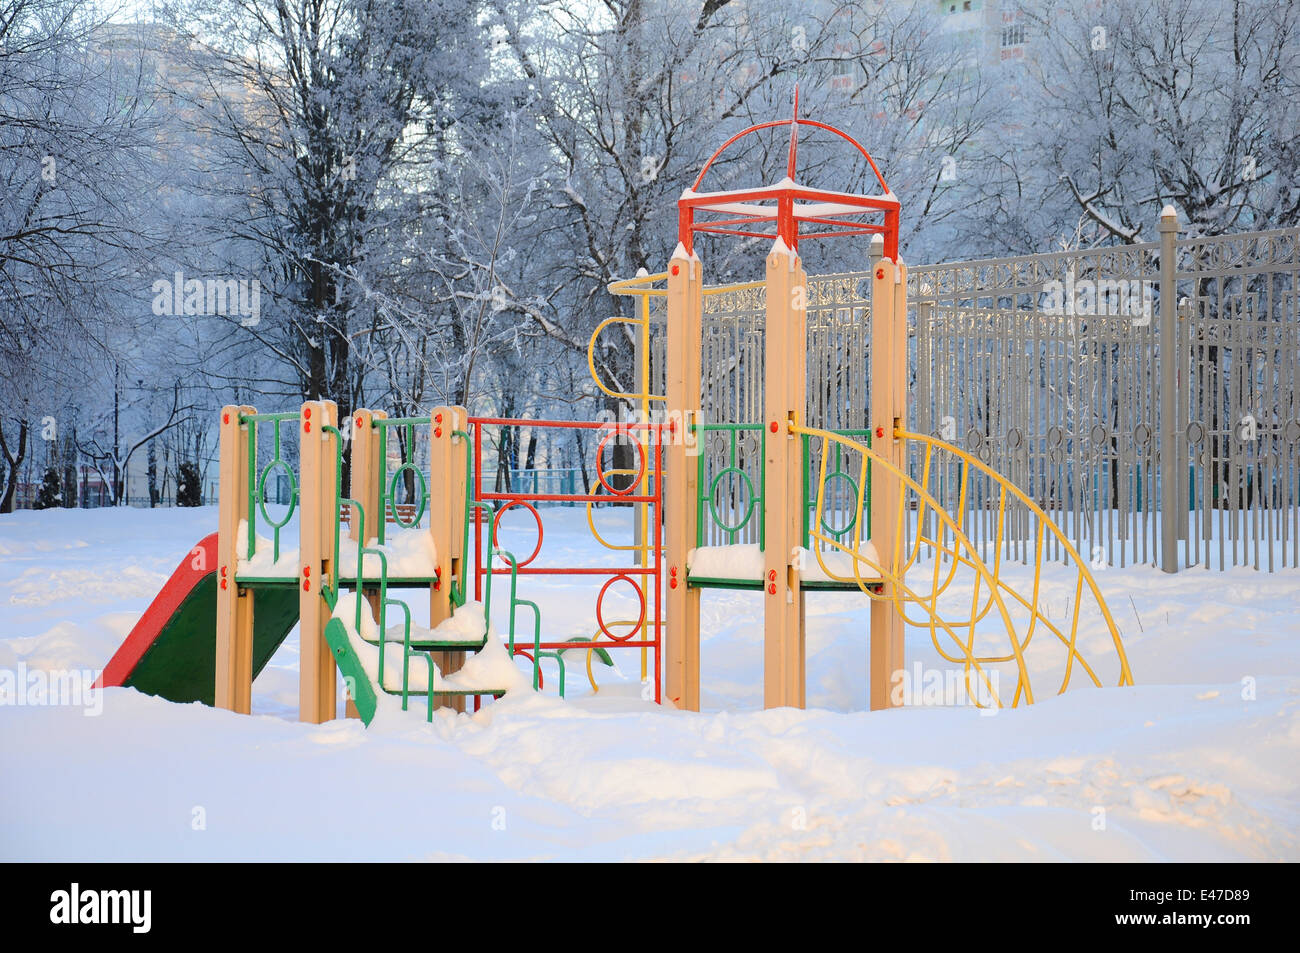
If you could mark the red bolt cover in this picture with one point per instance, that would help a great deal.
(672, 583)
(437, 418)
(306, 427)
(771, 588)
(306, 585)
(359, 423)
(772, 426)
(672, 571)
(880, 433)
(223, 572)
(880, 273)
(223, 584)
(437, 431)
(306, 571)
(306, 412)
(771, 575)
(225, 418)
(676, 269)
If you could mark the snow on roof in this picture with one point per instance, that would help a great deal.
(786, 184)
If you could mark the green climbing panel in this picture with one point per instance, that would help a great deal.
(180, 665)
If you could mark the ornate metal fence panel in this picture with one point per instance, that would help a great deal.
(732, 361)
(1049, 368)
(1043, 367)
(1239, 330)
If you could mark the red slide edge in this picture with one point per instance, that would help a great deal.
(169, 599)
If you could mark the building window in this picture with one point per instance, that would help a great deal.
(1013, 35)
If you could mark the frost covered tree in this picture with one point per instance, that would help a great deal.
(632, 96)
(326, 108)
(76, 139)
(628, 95)
(439, 288)
(1140, 103)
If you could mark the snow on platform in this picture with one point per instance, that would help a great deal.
(742, 562)
(490, 669)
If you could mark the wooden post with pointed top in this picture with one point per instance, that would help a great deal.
(317, 681)
(888, 412)
(234, 637)
(682, 605)
(785, 346)
(446, 520)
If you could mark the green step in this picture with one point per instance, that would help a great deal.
(360, 685)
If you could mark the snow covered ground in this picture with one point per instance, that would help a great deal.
(1199, 761)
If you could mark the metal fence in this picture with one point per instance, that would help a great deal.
(839, 357)
(1239, 412)
(1051, 368)
(1056, 391)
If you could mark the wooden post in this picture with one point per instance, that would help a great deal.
(317, 682)
(682, 606)
(785, 350)
(888, 409)
(365, 489)
(234, 642)
(446, 520)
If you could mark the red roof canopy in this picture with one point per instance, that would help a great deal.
(787, 204)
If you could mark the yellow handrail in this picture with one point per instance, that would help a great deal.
(889, 570)
(645, 359)
(1045, 521)
(640, 286)
(893, 582)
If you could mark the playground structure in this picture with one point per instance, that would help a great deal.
(238, 595)
(872, 523)
(863, 530)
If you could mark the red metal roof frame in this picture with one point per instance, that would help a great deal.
(747, 211)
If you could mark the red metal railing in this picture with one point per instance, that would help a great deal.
(644, 488)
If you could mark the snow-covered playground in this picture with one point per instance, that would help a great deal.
(1200, 760)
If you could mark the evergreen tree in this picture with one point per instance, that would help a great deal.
(189, 485)
(51, 493)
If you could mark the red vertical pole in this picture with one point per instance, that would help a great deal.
(478, 514)
(891, 234)
(786, 227)
(658, 551)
